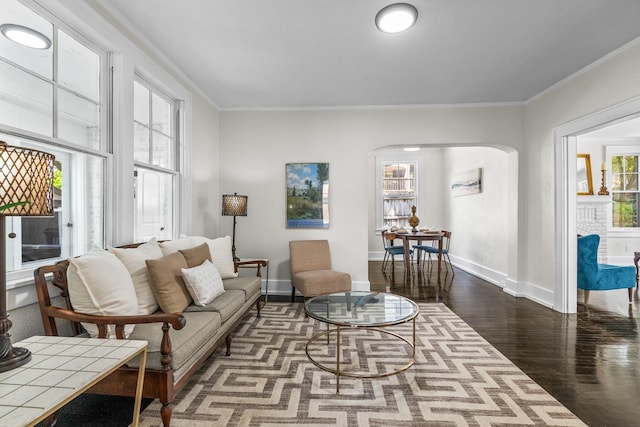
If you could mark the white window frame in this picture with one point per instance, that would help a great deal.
(24, 275)
(177, 165)
(380, 162)
(611, 151)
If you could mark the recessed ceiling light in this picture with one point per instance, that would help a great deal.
(396, 18)
(25, 36)
(412, 149)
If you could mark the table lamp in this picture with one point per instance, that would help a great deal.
(26, 178)
(234, 205)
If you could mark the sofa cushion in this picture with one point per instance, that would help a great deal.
(203, 282)
(99, 284)
(196, 255)
(196, 335)
(226, 304)
(134, 261)
(250, 285)
(221, 255)
(165, 276)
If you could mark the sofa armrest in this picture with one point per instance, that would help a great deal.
(168, 320)
(254, 263)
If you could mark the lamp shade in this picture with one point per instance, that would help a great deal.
(234, 205)
(26, 178)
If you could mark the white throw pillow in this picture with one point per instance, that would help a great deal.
(172, 246)
(203, 283)
(100, 284)
(221, 255)
(134, 261)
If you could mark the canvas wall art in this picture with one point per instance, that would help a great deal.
(467, 182)
(307, 195)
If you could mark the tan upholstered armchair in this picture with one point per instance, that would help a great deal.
(311, 272)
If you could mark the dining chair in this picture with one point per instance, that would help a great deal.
(433, 249)
(391, 250)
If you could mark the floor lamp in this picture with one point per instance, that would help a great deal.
(234, 205)
(25, 190)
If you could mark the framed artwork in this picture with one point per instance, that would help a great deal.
(583, 178)
(307, 195)
(467, 182)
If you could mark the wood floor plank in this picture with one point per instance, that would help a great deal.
(589, 361)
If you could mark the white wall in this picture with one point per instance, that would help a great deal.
(478, 222)
(607, 83)
(256, 145)
(205, 167)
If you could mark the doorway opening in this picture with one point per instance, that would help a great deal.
(566, 143)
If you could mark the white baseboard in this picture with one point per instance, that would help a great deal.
(512, 287)
(283, 287)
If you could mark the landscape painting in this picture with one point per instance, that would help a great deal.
(467, 182)
(307, 195)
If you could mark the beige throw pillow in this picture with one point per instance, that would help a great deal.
(134, 261)
(100, 284)
(203, 283)
(165, 276)
(196, 255)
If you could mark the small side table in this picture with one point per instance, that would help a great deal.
(60, 369)
(258, 263)
(636, 258)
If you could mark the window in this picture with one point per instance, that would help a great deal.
(53, 100)
(155, 159)
(399, 192)
(625, 190)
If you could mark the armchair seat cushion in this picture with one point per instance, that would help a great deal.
(316, 282)
(613, 277)
(593, 276)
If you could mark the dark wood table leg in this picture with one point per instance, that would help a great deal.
(636, 258)
(407, 257)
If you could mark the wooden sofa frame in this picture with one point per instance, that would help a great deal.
(157, 383)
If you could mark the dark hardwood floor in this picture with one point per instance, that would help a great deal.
(588, 361)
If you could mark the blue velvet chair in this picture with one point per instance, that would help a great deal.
(601, 277)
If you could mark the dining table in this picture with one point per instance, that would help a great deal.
(420, 236)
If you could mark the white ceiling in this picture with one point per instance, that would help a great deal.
(328, 53)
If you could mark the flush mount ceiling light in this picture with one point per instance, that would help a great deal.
(411, 149)
(25, 36)
(396, 18)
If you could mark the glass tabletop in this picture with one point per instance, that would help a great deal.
(361, 309)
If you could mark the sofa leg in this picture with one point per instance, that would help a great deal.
(227, 341)
(258, 307)
(165, 413)
(586, 297)
(630, 295)
(293, 294)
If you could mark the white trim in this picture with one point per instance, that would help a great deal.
(583, 70)
(374, 107)
(565, 289)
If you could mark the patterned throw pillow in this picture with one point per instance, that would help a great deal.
(203, 283)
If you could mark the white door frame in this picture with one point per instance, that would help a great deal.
(565, 142)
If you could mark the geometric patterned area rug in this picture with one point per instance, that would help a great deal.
(458, 379)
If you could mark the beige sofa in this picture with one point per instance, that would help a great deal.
(179, 343)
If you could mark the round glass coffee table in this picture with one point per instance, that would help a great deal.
(361, 310)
